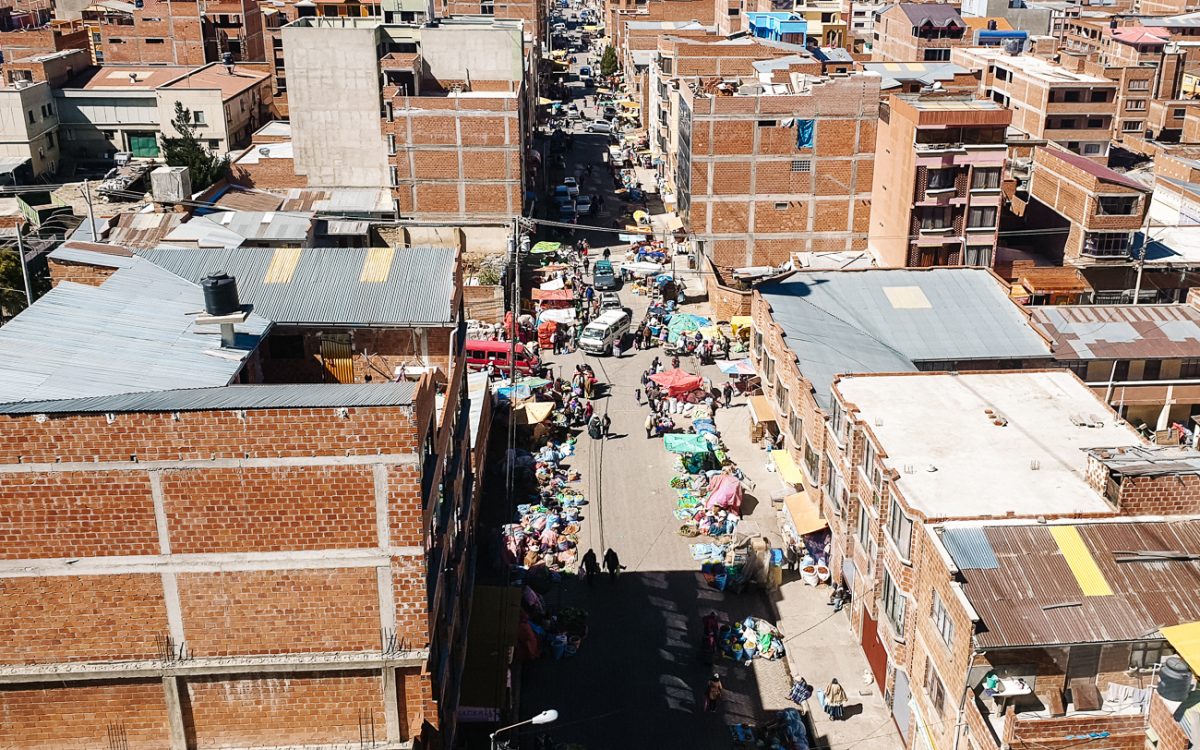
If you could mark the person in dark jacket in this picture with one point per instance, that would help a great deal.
(612, 564)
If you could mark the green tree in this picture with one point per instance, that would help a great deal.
(204, 166)
(608, 61)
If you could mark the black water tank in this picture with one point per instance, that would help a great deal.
(220, 294)
(1174, 679)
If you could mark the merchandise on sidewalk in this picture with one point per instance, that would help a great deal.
(786, 731)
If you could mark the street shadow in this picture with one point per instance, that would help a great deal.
(637, 680)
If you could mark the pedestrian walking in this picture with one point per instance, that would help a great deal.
(649, 425)
(637, 393)
(835, 700)
(605, 425)
(591, 566)
(617, 348)
(727, 392)
(613, 565)
(713, 691)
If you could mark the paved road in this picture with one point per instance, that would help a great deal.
(636, 681)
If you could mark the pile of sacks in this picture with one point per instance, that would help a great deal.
(749, 638)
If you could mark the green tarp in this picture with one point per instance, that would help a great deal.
(676, 443)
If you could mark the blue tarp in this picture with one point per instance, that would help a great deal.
(804, 133)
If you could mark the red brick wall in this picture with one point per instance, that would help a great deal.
(1126, 732)
(80, 273)
(84, 618)
(280, 611)
(78, 717)
(267, 509)
(1169, 495)
(58, 515)
(297, 709)
(268, 174)
(1170, 734)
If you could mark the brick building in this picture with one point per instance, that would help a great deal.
(55, 36)
(1074, 110)
(917, 32)
(1091, 211)
(906, 452)
(936, 192)
(400, 106)
(234, 565)
(811, 326)
(176, 32)
(773, 165)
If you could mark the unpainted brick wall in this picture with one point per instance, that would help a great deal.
(78, 716)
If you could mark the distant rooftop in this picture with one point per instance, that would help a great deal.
(1035, 67)
(925, 73)
(955, 462)
(1099, 171)
(134, 332)
(244, 397)
(887, 320)
(128, 77)
(232, 228)
(216, 76)
(1084, 332)
(1149, 460)
(938, 15)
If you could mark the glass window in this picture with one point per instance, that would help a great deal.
(758, 344)
(812, 462)
(1189, 368)
(781, 396)
(900, 529)
(796, 426)
(866, 533)
(1136, 105)
(1139, 85)
(1117, 205)
(1106, 244)
(978, 255)
(935, 217)
(942, 621)
(985, 178)
(981, 217)
(893, 603)
(1131, 126)
(1145, 654)
(940, 179)
(835, 486)
(837, 422)
(934, 687)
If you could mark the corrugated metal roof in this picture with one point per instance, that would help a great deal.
(1033, 597)
(135, 332)
(298, 396)
(885, 320)
(1149, 460)
(326, 287)
(969, 548)
(1121, 331)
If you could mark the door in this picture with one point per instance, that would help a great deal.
(144, 145)
(335, 357)
(876, 655)
(901, 711)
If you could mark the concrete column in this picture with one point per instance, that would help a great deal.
(391, 706)
(175, 730)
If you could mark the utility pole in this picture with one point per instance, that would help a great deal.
(87, 196)
(1141, 264)
(24, 269)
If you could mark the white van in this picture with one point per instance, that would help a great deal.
(599, 336)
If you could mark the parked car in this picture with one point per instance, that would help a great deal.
(599, 126)
(586, 205)
(585, 71)
(572, 186)
(610, 113)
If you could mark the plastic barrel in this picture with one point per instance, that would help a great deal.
(1174, 679)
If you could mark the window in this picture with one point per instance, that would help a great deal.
(801, 165)
(758, 344)
(781, 396)
(985, 178)
(812, 462)
(1189, 369)
(835, 486)
(32, 117)
(937, 55)
(981, 217)
(978, 255)
(870, 466)
(1117, 205)
(1093, 149)
(391, 141)
(1106, 244)
(942, 621)
(115, 40)
(1178, 114)
(934, 687)
(1095, 122)
(893, 604)
(47, 110)
(935, 218)
(796, 426)
(287, 346)
(735, 12)
(395, 174)
(1079, 367)
(387, 111)
(900, 529)
(781, 205)
(866, 535)
(49, 140)
(1139, 85)
(154, 41)
(940, 179)
(838, 423)
(1135, 105)
(1131, 126)
(1145, 654)
(1152, 369)
(768, 123)
(769, 370)
(197, 117)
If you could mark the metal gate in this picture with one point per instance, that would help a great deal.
(901, 711)
(876, 655)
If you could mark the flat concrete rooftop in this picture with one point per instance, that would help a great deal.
(955, 462)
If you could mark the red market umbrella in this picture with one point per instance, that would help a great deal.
(677, 382)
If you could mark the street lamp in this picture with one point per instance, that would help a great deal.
(545, 717)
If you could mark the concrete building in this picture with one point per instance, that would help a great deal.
(917, 32)
(110, 109)
(176, 32)
(912, 77)
(55, 68)
(227, 104)
(1022, 15)
(776, 164)
(1095, 210)
(1074, 110)
(255, 565)
(439, 113)
(936, 190)
(29, 132)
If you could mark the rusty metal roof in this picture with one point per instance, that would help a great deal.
(1121, 331)
(1033, 598)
